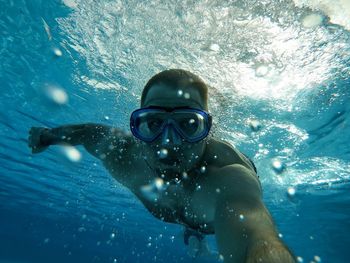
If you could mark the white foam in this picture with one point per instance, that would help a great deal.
(337, 10)
(71, 3)
(291, 62)
(312, 20)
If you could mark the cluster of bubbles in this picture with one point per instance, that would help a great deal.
(162, 153)
(153, 190)
(277, 165)
(57, 95)
(54, 93)
(186, 95)
(316, 259)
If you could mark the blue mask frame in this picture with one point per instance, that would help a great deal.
(152, 136)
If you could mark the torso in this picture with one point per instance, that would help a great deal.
(184, 202)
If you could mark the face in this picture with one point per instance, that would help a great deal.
(169, 152)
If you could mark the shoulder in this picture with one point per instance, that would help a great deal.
(231, 182)
(117, 146)
(220, 153)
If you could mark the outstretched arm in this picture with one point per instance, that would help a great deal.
(244, 228)
(96, 138)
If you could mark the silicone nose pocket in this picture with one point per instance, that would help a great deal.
(170, 136)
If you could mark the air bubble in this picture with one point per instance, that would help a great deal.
(163, 153)
(291, 191)
(254, 125)
(261, 71)
(312, 20)
(153, 190)
(187, 95)
(57, 95)
(81, 229)
(159, 183)
(72, 153)
(112, 236)
(214, 47)
(241, 217)
(278, 166)
(180, 93)
(203, 169)
(317, 259)
(300, 260)
(57, 52)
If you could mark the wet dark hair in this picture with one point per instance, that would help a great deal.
(177, 78)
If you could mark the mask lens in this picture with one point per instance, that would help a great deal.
(148, 124)
(191, 124)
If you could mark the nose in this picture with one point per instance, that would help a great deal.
(170, 136)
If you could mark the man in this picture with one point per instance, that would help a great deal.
(179, 172)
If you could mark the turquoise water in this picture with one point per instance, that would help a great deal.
(279, 73)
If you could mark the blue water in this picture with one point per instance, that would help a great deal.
(283, 64)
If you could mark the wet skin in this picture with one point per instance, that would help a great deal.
(181, 155)
(189, 164)
(208, 185)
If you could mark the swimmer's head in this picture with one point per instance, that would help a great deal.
(171, 89)
(178, 83)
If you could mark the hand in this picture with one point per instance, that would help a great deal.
(34, 139)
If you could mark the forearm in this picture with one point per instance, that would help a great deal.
(81, 134)
(246, 234)
(239, 244)
(267, 250)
